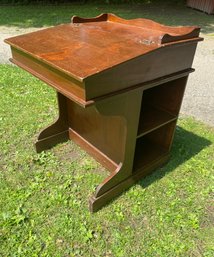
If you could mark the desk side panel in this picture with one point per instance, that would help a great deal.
(106, 133)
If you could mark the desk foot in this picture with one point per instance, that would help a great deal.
(48, 142)
(97, 202)
(56, 132)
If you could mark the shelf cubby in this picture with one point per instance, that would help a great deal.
(153, 147)
(148, 124)
(160, 105)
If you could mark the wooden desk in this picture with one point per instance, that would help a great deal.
(119, 84)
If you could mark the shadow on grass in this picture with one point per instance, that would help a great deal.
(185, 146)
(48, 15)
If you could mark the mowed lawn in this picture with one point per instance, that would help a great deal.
(44, 197)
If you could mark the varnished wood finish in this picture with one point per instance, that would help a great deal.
(152, 118)
(120, 85)
(161, 105)
(59, 81)
(95, 203)
(56, 132)
(106, 132)
(93, 151)
(120, 105)
(160, 33)
(94, 53)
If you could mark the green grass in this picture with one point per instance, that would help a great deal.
(48, 15)
(43, 204)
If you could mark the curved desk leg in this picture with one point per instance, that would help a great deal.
(127, 105)
(56, 132)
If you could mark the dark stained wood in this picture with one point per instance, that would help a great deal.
(147, 153)
(76, 48)
(95, 203)
(93, 151)
(48, 142)
(144, 68)
(120, 85)
(56, 132)
(64, 84)
(167, 97)
(153, 146)
(101, 17)
(161, 105)
(152, 118)
(106, 132)
(120, 105)
(160, 33)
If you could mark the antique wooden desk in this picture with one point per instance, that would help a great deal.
(119, 84)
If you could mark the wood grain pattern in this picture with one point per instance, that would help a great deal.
(94, 53)
(75, 48)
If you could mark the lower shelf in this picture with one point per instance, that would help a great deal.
(147, 154)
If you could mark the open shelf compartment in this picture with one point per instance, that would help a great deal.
(153, 148)
(160, 105)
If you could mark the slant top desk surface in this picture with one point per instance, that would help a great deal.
(88, 46)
